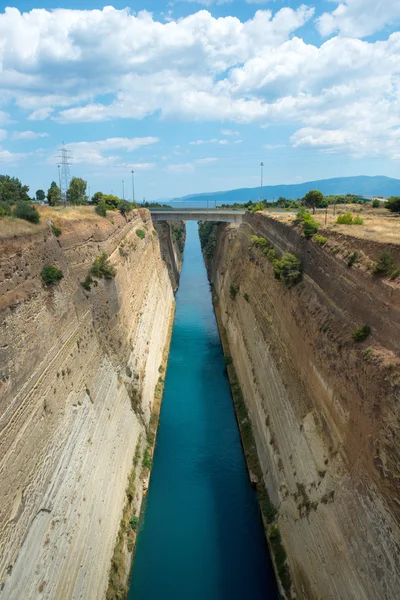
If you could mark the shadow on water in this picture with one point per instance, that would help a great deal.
(202, 535)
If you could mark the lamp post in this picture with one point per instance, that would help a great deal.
(59, 182)
(123, 190)
(261, 186)
(133, 185)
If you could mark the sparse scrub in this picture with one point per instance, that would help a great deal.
(375, 204)
(384, 265)
(233, 291)
(5, 209)
(134, 523)
(51, 275)
(361, 333)
(352, 259)
(101, 208)
(147, 459)
(228, 360)
(87, 283)
(246, 297)
(56, 230)
(348, 219)
(395, 274)
(288, 269)
(140, 233)
(271, 254)
(102, 268)
(320, 240)
(26, 211)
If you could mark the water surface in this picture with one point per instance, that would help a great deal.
(202, 536)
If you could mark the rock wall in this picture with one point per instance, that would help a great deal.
(78, 374)
(324, 409)
(172, 236)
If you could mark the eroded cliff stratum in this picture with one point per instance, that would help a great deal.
(323, 407)
(78, 373)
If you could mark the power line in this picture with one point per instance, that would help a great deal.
(65, 176)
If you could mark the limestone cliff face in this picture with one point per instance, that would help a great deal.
(324, 409)
(78, 374)
(172, 236)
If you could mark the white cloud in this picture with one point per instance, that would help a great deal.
(189, 167)
(257, 1)
(3, 134)
(10, 158)
(359, 18)
(213, 141)
(98, 152)
(229, 132)
(343, 95)
(28, 135)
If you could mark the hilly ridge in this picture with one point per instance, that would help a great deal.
(363, 185)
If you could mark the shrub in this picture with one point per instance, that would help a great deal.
(259, 242)
(228, 360)
(393, 204)
(271, 255)
(134, 523)
(395, 274)
(288, 269)
(140, 233)
(233, 290)
(346, 219)
(51, 275)
(124, 207)
(321, 240)
(375, 204)
(102, 268)
(101, 209)
(147, 460)
(385, 265)
(310, 227)
(246, 297)
(56, 230)
(352, 259)
(358, 221)
(361, 334)
(87, 284)
(5, 209)
(26, 211)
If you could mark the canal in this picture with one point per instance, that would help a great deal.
(202, 536)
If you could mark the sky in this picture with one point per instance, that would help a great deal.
(192, 95)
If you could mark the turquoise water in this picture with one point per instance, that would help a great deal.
(202, 536)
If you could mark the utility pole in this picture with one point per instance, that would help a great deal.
(123, 191)
(59, 178)
(65, 156)
(261, 186)
(133, 185)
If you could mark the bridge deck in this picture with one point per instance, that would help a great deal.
(197, 214)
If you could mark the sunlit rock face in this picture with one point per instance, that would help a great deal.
(324, 409)
(78, 374)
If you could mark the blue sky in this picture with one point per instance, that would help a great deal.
(194, 95)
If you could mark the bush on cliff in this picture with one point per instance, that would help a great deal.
(361, 333)
(140, 233)
(288, 269)
(310, 226)
(51, 275)
(102, 268)
(26, 211)
(5, 209)
(101, 208)
(385, 264)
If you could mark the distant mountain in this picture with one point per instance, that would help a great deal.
(362, 185)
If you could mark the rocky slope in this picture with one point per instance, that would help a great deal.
(324, 408)
(172, 237)
(79, 370)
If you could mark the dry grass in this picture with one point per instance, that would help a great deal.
(379, 224)
(11, 227)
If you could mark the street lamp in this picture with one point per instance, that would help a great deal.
(133, 185)
(261, 186)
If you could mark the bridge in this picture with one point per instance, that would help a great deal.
(196, 214)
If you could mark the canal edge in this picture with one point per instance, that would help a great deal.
(125, 545)
(269, 513)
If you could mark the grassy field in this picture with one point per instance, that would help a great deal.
(379, 224)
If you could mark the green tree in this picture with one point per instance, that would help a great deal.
(76, 193)
(314, 199)
(40, 195)
(12, 190)
(124, 207)
(393, 204)
(97, 196)
(112, 202)
(54, 194)
(375, 204)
